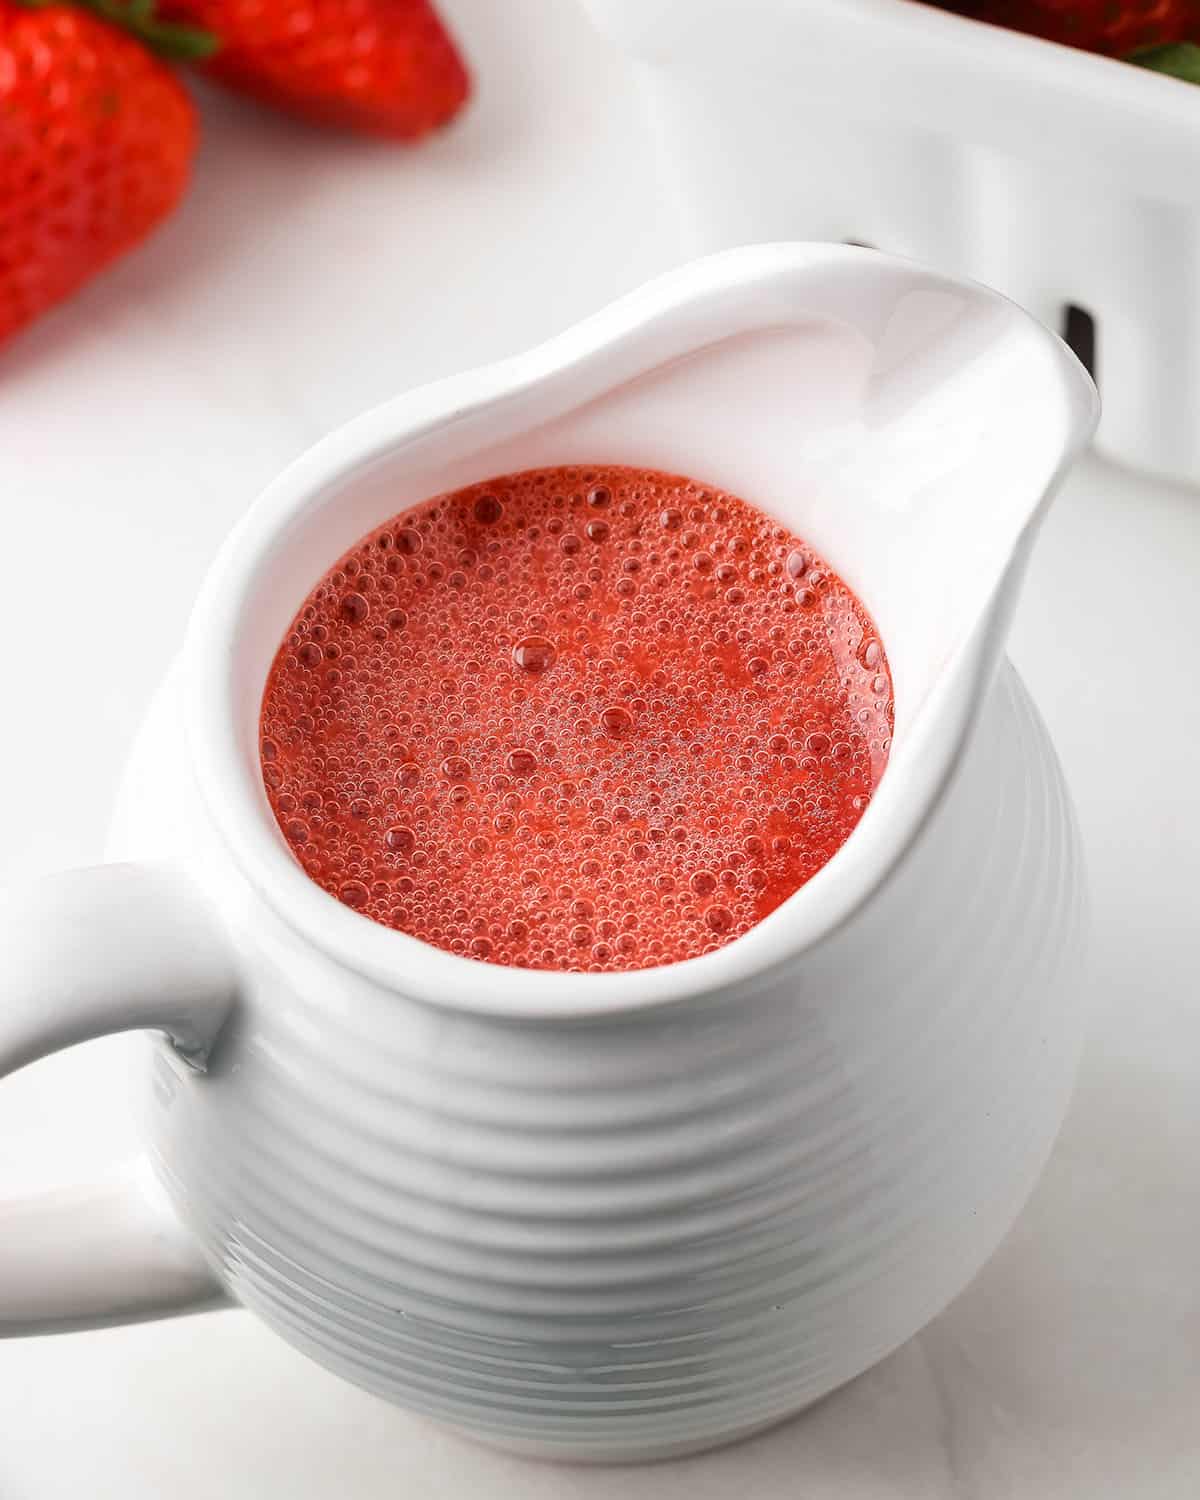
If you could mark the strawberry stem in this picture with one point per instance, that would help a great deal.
(170, 39)
(1176, 59)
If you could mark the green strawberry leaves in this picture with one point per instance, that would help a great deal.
(1176, 59)
(169, 39)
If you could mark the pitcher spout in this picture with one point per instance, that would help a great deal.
(972, 413)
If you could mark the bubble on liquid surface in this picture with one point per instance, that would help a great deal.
(584, 718)
(616, 720)
(353, 893)
(534, 653)
(408, 540)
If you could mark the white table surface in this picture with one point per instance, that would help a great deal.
(305, 279)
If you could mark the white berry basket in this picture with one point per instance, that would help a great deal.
(1069, 182)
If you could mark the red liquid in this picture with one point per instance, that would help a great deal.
(581, 718)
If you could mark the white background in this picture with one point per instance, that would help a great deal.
(306, 278)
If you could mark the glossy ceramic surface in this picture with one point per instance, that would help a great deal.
(616, 1217)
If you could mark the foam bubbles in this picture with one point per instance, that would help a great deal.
(580, 718)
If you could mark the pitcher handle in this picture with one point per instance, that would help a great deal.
(83, 954)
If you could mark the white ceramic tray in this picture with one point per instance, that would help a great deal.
(1068, 181)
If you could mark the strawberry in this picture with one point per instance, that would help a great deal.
(1116, 27)
(96, 143)
(382, 67)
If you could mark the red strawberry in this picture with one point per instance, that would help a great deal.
(1116, 27)
(384, 67)
(96, 141)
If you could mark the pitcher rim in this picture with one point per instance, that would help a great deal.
(229, 781)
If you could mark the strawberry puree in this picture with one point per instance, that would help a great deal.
(587, 718)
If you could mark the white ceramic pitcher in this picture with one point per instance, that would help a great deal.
(604, 1216)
